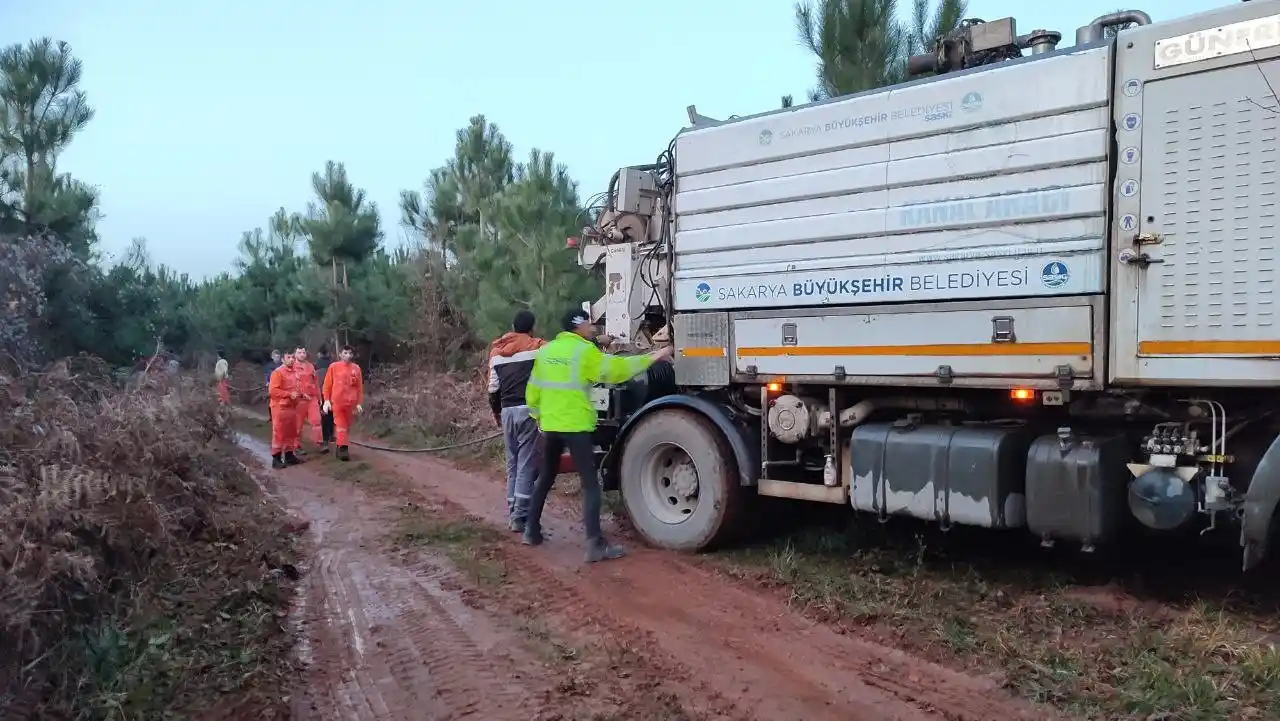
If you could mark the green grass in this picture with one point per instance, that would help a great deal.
(139, 671)
(468, 544)
(209, 633)
(1146, 661)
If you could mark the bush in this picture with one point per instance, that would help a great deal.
(25, 267)
(416, 406)
(135, 552)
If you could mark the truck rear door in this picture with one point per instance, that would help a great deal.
(1194, 221)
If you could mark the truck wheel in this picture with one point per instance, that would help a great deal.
(679, 482)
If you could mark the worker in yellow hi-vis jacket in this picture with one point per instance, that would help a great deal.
(558, 396)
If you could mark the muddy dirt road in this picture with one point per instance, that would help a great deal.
(396, 635)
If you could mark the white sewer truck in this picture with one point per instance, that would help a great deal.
(1035, 290)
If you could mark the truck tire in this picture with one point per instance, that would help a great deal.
(679, 482)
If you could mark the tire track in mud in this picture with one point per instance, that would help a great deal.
(743, 654)
(388, 641)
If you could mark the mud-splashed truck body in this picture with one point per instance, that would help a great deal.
(1036, 290)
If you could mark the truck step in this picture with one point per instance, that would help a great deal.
(802, 491)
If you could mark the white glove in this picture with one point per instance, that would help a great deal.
(327, 407)
(359, 409)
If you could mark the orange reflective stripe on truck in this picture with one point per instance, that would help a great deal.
(704, 352)
(1209, 347)
(937, 349)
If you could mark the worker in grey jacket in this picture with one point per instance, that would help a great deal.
(510, 362)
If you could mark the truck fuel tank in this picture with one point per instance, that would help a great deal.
(973, 475)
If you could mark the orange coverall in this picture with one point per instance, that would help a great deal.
(344, 389)
(284, 418)
(308, 411)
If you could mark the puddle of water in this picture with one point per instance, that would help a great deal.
(253, 445)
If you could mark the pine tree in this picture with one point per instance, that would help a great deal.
(861, 45)
(531, 267)
(42, 108)
(343, 229)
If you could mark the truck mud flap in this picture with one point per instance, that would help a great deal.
(1260, 503)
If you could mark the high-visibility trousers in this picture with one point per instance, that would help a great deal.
(284, 429)
(309, 412)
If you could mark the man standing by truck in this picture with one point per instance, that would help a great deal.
(559, 399)
(510, 363)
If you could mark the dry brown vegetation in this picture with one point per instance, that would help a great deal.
(142, 573)
(407, 407)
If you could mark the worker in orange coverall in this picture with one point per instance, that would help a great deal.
(309, 412)
(343, 396)
(284, 393)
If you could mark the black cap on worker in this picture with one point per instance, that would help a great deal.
(574, 319)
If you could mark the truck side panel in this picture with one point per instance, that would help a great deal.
(1005, 344)
(1195, 192)
(981, 344)
(978, 185)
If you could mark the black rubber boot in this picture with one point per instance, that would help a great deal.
(291, 460)
(343, 454)
(277, 461)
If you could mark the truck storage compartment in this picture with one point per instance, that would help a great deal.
(1203, 312)
(994, 343)
(1076, 488)
(972, 475)
(951, 189)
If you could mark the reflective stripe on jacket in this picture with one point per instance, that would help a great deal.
(559, 387)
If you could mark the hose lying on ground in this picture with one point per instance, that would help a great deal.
(435, 449)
